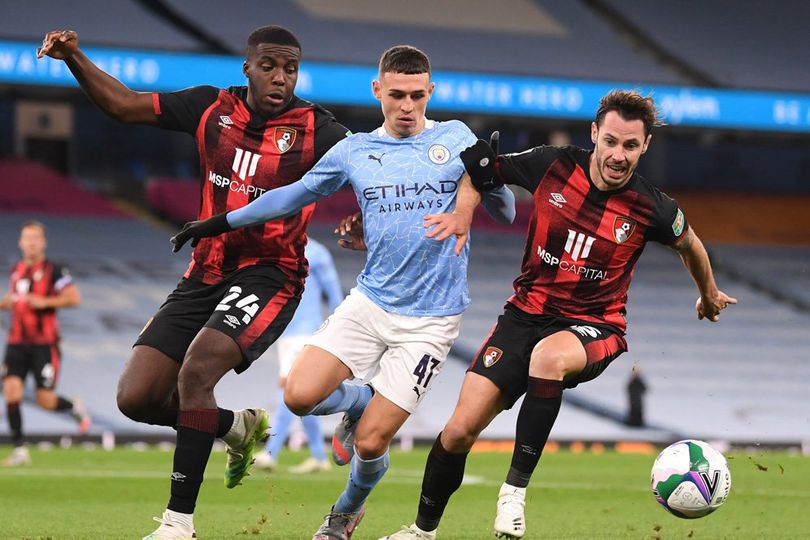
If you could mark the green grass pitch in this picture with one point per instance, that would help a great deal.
(93, 494)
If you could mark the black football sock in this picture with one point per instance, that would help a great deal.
(537, 415)
(195, 437)
(224, 422)
(443, 474)
(63, 404)
(15, 423)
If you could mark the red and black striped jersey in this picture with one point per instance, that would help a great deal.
(242, 155)
(35, 326)
(583, 243)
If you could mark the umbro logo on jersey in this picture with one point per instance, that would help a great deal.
(244, 163)
(578, 245)
(377, 159)
(225, 121)
(557, 200)
(284, 138)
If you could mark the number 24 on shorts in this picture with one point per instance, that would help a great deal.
(247, 304)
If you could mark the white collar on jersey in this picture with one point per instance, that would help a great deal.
(380, 131)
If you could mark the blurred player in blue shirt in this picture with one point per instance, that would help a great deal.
(322, 283)
(395, 328)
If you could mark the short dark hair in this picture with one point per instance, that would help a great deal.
(404, 59)
(33, 223)
(277, 35)
(631, 106)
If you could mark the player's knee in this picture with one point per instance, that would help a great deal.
(130, 406)
(299, 396)
(196, 378)
(549, 363)
(299, 402)
(370, 445)
(458, 437)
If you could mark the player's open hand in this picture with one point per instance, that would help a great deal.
(710, 308)
(59, 44)
(194, 230)
(350, 229)
(447, 225)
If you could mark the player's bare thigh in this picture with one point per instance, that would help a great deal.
(149, 380)
(380, 422)
(479, 402)
(315, 374)
(558, 357)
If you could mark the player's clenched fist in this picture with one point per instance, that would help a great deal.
(59, 44)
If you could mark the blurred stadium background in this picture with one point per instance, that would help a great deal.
(732, 83)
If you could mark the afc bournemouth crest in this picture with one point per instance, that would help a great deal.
(491, 356)
(284, 138)
(623, 228)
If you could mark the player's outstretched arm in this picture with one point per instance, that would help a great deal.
(274, 204)
(6, 301)
(712, 300)
(107, 92)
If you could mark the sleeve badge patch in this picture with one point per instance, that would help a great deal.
(677, 225)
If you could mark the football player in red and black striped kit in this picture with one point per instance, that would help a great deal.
(241, 288)
(565, 323)
(38, 287)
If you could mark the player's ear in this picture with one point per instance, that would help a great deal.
(431, 87)
(376, 89)
(646, 143)
(594, 132)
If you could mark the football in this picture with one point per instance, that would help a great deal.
(690, 479)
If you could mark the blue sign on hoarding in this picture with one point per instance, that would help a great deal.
(343, 84)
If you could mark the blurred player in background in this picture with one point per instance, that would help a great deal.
(322, 283)
(38, 288)
(241, 289)
(397, 326)
(565, 324)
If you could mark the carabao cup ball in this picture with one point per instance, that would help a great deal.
(690, 479)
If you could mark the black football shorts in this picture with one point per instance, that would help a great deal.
(41, 360)
(253, 306)
(505, 355)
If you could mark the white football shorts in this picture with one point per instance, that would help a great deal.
(399, 356)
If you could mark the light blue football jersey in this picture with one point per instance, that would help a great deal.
(397, 183)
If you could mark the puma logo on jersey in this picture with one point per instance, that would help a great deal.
(377, 159)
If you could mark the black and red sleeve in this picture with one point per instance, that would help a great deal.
(328, 131)
(668, 223)
(526, 169)
(60, 277)
(181, 110)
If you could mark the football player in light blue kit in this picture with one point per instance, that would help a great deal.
(396, 327)
(322, 283)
